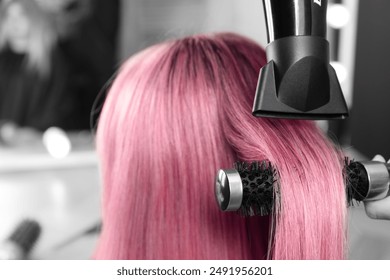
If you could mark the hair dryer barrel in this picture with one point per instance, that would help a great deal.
(295, 18)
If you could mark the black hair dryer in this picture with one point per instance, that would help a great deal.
(298, 82)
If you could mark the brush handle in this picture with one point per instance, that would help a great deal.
(286, 18)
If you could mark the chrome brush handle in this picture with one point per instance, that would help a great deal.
(228, 190)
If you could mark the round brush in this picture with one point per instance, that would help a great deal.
(19, 244)
(250, 188)
(366, 180)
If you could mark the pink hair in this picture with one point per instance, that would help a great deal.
(175, 114)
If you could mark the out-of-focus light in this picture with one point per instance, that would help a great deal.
(341, 71)
(338, 16)
(56, 142)
(7, 132)
(58, 193)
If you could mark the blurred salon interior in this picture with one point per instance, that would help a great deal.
(56, 61)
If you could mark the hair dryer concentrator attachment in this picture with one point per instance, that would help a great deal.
(298, 81)
(250, 189)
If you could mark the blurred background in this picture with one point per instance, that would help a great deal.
(56, 57)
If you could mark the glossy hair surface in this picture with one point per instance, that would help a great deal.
(175, 114)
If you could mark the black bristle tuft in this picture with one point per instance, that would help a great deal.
(26, 235)
(258, 180)
(356, 179)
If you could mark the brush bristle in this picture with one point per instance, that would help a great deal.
(356, 180)
(258, 180)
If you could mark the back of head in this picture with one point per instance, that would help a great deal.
(175, 114)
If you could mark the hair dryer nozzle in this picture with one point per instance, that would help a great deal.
(298, 82)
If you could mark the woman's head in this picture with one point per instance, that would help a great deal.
(26, 29)
(175, 114)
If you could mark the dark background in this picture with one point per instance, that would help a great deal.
(370, 115)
